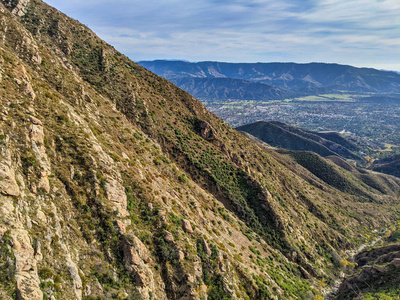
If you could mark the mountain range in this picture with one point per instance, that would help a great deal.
(117, 184)
(271, 81)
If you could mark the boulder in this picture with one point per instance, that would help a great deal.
(206, 247)
(168, 237)
(187, 226)
(206, 131)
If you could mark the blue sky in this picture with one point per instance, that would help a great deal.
(363, 33)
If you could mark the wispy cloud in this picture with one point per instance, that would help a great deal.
(357, 32)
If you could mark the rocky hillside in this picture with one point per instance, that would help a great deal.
(293, 80)
(116, 184)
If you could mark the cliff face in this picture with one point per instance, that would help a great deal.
(115, 184)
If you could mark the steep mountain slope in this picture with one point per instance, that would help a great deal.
(281, 135)
(114, 183)
(313, 78)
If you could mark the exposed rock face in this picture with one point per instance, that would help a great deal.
(168, 237)
(37, 140)
(74, 271)
(121, 227)
(19, 8)
(206, 131)
(25, 267)
(115, 192)
(187, 226)
(206, 247)
(8, 184)
(137, 258)
(114, 189)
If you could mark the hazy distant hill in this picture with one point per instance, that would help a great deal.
(300, 79)
(229, 88)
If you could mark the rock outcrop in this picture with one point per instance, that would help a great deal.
(207, 132)
(74, 271)
(137, 259)
(25, 266)
(8, 183)
(36, 134)
(187, 226)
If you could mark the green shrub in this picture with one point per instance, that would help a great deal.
(45, 273)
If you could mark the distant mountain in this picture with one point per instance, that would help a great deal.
(229, 88)
(296, 79)
(281, 135)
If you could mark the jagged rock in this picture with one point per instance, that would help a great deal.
(136, 257)
(181, 255)
(163, 215)
(41, 216)
(135, 249)
(19, 8)
(206, 247)
(187, 226)
(206, 131)
(8, 183)
(73, 270)
(168, 237)
(29, 90)
(95, 289)
(25, 266)
(121, 227)
(304, 273)
(125, 156)
(115, 192)
(37, 139)
(35, 121)
(36, 58)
